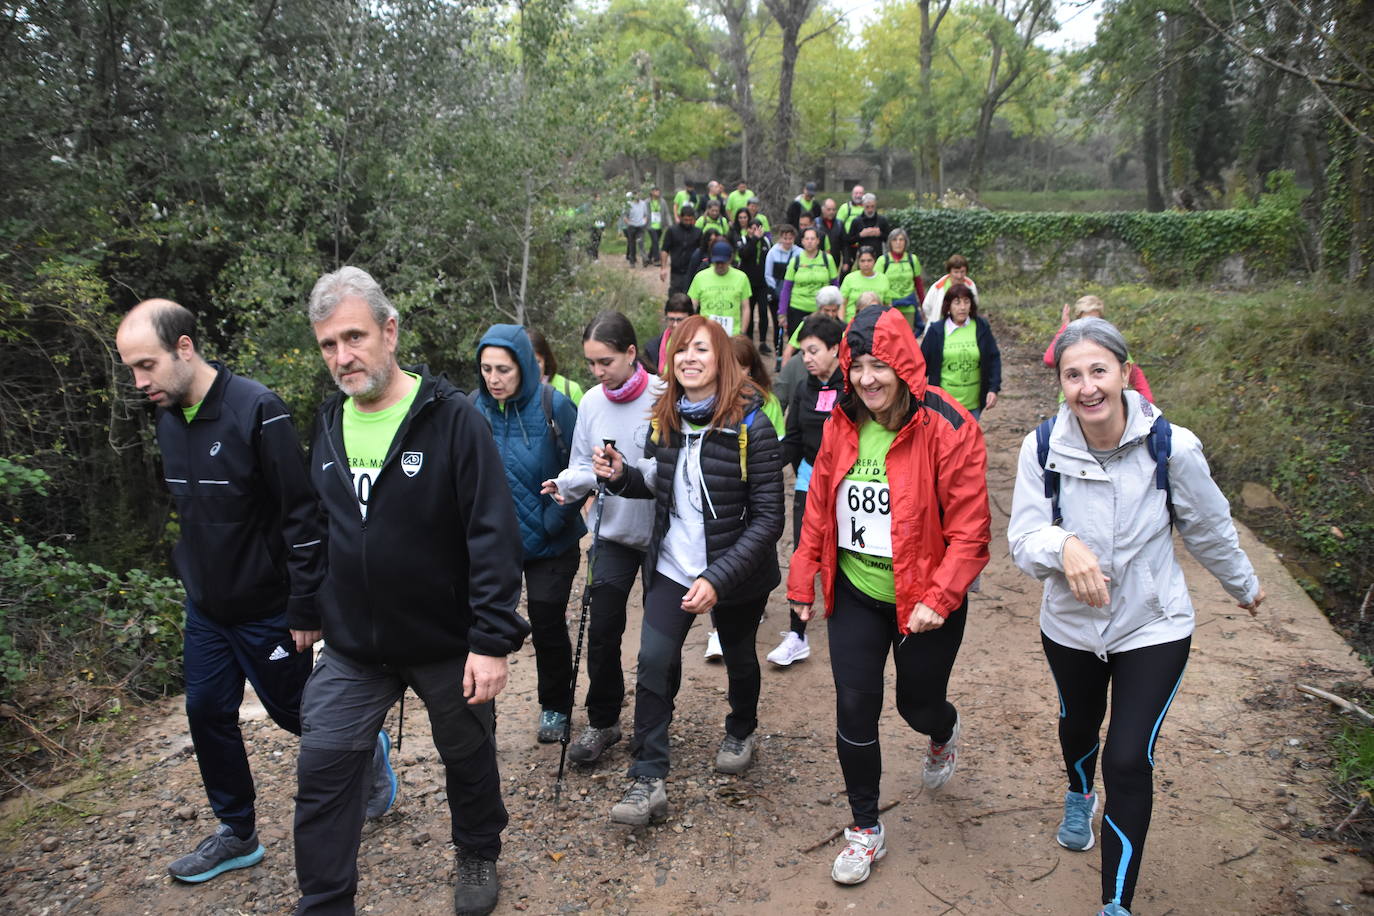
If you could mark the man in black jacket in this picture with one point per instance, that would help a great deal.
(422, 590)
(867, 229)
(680, 244)
(250, 557)
(805, 202)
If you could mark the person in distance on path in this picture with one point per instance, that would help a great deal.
(897, 525)
(251, 557)
(678, 256)
(422, 591)
(1116, 611)
(713, 466)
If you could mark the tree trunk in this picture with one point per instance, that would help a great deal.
(1149, 144)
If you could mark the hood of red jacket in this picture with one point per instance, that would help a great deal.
(884, 332)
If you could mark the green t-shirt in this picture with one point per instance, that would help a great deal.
(772, 409)
(680, 198)
(856, 283)
(720, 297)
(808, 275)
(570, 389)
(738, 199)
(901, 275)
(763, 221)
(960, 372)
(190, 412)
(846, 213)
(863, 512)
(367, 439)
(720, 224)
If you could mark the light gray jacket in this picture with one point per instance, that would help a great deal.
(629, 522)
(1118, 513)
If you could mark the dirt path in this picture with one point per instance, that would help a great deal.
(1240, 779)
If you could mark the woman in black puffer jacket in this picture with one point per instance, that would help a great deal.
(714, 465)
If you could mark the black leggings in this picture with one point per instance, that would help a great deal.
(798, 625)
(548, 585)
(613, 577)
(862, 630)
(1143, 684)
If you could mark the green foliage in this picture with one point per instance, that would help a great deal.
(1274, 382)
(64, 619)
(1174, 247)
(1355, 758)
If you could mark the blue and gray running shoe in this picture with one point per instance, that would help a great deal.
(1076, 829)
(383, 791)
(216, 854)
(1114, 909)
(551, 725)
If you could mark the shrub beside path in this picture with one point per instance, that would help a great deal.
(1241, 776)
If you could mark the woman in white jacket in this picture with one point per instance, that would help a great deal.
(1115, 608)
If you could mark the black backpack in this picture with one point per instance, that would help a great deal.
(1159, 442)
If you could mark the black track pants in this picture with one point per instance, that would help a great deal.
(1143, 685)
(862, 631)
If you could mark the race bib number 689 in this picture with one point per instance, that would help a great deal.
(863, 511)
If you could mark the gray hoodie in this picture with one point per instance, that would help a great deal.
(629, 522)
(1118, 513)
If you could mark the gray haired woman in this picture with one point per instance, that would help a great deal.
(903, 272)
(1101, 486)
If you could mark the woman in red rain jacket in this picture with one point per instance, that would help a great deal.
(897, 525)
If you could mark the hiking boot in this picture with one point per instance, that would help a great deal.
(646, 801)
(592, 743)
(941, 760)
(1076, 829)
(383, 791)
(862, 847)
(714, 653)
(218, 853)
(551, 726)
(793, 648)
(1113, 909)
(735, 754)
(477, 887)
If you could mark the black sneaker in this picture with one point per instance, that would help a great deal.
(218, 853)
(477, 888)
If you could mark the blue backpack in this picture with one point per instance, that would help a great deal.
(1159, 442)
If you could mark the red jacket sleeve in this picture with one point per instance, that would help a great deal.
(961, 485)
(806, 560)
(1137, 380)
(1049, 351)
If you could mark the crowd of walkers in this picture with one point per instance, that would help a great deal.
(423, 514)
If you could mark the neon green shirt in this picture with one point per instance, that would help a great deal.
(863, 511)
(679, 199)
(720, 224)
(846, 213)
(190, 412)
(808, 275)
(367, 439)
(856, 283)
(763, 221)
(720, 297)
(960, 372)
(772, 409)
(570, 389)
(738, 199)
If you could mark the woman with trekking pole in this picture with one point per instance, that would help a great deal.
(714, 468)
(1100, 488)
(616, 409)
(897, 525)
(531, 424)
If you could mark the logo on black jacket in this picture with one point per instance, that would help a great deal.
(411, 461)
(214, 450)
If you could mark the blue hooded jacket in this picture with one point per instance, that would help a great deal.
(528, 449)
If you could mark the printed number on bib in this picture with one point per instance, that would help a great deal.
(725, 321)
(864, 513)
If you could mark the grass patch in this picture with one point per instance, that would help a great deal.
(1275, 383)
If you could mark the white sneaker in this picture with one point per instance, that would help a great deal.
(713, 650)
(862, 847)
(793, 648)
(941, 760)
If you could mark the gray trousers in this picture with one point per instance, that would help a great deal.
(344, 704)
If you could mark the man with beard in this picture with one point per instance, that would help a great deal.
(250, 557)
(680, 245)
(414, 493)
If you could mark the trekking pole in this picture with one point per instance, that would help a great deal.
(581, 630)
